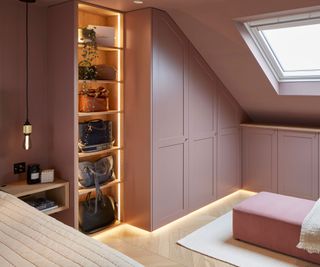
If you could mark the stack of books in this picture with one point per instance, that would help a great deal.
(42, 204)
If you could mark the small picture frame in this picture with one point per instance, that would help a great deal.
(47, 176)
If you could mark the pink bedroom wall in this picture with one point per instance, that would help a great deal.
(62, 24)
(12, 87)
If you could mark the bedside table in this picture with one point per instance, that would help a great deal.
(58, 191)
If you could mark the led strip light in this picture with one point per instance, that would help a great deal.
(119, 117)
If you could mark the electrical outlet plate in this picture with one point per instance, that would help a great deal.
(19, 167)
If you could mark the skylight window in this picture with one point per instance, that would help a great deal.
(290, 45)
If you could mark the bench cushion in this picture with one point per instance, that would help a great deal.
(273, 221)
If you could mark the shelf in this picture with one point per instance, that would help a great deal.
(98, 153)
(55, 210)
(104, 48)
(108, 54)
(282, 127)
(99, 81)
(100, 11)
(58, 191)
(100, 113)
(84, 191)
(21, 188)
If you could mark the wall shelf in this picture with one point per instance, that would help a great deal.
(58, 191)
(98, 153)
(100, 113)
(84, 191)
(110, 56)
(99, 81)
(104, 48)
(53, 211)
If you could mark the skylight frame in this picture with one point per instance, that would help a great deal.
(256, 28)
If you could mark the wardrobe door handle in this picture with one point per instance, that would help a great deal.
(186, 139)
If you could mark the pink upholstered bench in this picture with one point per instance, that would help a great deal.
(273, 221)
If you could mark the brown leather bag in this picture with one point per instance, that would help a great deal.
(93, 100)
(105, 72)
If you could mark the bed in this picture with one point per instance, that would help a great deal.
(28, 237)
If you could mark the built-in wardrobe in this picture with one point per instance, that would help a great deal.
(281, 159)
(182, 136)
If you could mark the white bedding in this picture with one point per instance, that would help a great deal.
(310, 231)
(30, 238)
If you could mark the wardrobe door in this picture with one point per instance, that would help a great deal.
(170, 124)
(228, 169)
(259, 159)
(298, 164)
(202, 132)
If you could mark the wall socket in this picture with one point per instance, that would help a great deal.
(19, 167)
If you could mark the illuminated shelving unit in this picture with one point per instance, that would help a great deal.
(112, 56)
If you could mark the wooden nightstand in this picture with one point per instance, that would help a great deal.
(58, 191)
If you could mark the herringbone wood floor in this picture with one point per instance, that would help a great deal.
(159, 248)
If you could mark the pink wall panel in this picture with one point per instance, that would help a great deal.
(259, 159)
(298, 164)
(169, 50)
(202, 131)
(12, 87)
(202, 85)
(137, 94)
(62, 25)
(169, 121)
(168, 185)
(229, 148)
(201, 173)
(229, 111)
(228, 177)
(51, 98)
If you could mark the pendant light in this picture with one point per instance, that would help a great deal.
(27, 127)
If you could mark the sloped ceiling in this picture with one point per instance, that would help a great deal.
(209, 24)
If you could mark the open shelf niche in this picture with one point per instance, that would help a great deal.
(112, 56)
(57, 191)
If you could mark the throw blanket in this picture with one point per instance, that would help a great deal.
(28, 238)
(310, 231)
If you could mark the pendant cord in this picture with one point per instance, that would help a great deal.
(27, 62)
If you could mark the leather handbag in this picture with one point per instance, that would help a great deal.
(96, 213)
(92, 100)
(105, 72)
(95, 135)
(102, 170)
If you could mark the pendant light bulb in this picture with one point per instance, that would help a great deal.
(27, 127)
(27, 130)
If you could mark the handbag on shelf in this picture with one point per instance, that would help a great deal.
(105, 72)
(97, 212)
(95, 135)
(102, 170)
(92, 100)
